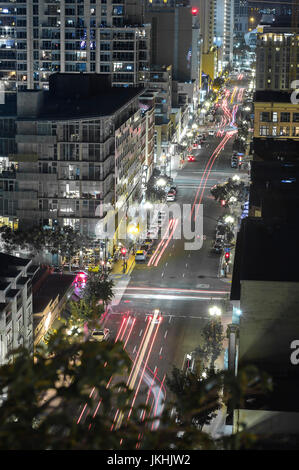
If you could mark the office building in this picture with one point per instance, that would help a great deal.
(240, 18)
(177, 29)
(265, 293)
(280, 11)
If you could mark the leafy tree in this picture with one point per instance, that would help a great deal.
(230, 189)
(58, 240)
(218, 83)
(213, 337)
(153, 192)
(42, 398)
(197, 399)
(99, 287)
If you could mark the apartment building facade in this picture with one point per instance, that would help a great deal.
(224, 29)
(79, 145)
(41, 37)
(277, 58)
(16, 318)
(275, 117)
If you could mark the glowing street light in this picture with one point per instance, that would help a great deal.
(133, 229)
(215, 311)
(229, 219)
(148, 205)
(161, 182)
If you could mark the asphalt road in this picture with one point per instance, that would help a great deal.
(182, 285)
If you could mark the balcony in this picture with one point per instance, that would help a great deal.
(15, 195)
(35, 139)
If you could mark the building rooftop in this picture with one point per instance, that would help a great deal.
(4, 285)
(272, 96)
(80, 95)
(9, 261)
(54, 285)
(265, 252)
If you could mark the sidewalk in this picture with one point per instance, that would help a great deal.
(117, 267)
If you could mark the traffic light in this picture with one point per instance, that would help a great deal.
(227, 255)
(123, 251)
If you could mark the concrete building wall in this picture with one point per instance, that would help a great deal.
(269, 323)
(174, 28)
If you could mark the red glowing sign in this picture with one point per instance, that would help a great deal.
(194, 11)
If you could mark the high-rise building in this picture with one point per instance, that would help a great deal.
(209, 51)
(224, 29)
(281, 11)
(175, 40)
(41, 37)
(277, 58)
(240, 17)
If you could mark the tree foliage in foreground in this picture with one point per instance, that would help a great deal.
(43, 398)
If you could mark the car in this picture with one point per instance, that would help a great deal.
(148, 242)
(173, 189)
(144, 247)
(100, 335)
(93, 268)
(170, 197)
(211, 133)
(191, 158)
(234, 161)
(140, 255)
(217, 247)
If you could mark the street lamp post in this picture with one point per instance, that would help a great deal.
(215, 311)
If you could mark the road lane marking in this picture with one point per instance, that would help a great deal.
(140, 332)
(174, 297)
(137, 365)
(165, 334)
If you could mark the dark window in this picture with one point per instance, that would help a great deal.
(265, 117)
(285, 117)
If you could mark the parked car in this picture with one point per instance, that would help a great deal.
(191, 158)
(140, 255)
(217, 247)
(170, 197)
(100, 335)
(234, 161)
(173, 188)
